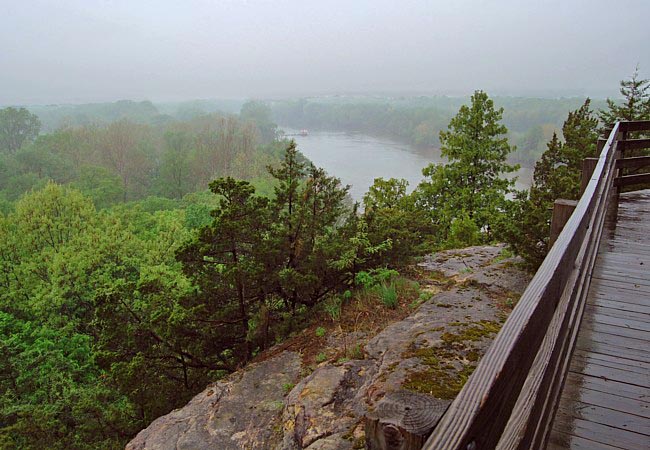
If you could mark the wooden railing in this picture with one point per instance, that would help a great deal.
(510, 400)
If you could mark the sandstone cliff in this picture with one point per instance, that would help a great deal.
(282, 402)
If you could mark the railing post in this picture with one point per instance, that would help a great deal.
(588, 166)
(562, 210)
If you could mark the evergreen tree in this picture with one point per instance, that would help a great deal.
(308, 206)
(557, 175)
(470, 184)
(226, 263)
(636, 104)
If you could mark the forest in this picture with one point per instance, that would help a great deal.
(141, 259)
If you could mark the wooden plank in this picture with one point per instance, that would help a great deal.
(597, 432)
(624, 322)
(604, 300)
(623, 291)
(635, 346)
(614, 256)
(596, 344)
(624, 287)
(607, 400)
(634, 276)
(588, 166)
(630, 180)
(637, 266)
(609, 417)
(562, 210)
(611, 373)
(620, 312)
(609, 386)
(638, 335)
(562, 441)
(636, 125)
(633, 144)
(583, 357)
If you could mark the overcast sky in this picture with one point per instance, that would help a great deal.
(54, 51)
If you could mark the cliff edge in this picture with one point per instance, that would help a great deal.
(283, 401)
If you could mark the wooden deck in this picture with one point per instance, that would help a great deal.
(605, 402)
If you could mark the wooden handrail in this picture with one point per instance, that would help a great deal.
(509, 401)
(637, 125)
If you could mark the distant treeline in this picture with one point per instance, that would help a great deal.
(130, 158)
(418, 120)
(53, 117)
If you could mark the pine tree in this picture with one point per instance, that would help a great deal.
(636, 105)
(307, 207)
(471, 184)
(557, 175)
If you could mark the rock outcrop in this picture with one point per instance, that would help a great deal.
(431, 353)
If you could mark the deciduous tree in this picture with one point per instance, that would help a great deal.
(17, 126)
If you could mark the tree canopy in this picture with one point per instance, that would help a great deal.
(636, 101)
(471, 186)
(557, 175)
(17, 126)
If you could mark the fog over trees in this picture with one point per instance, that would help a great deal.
(159, 230)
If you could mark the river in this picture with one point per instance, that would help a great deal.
(358, 159)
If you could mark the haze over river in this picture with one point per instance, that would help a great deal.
(358, 159)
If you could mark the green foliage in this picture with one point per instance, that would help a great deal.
(636, 101)
(320, 332)
(90, 323)
(260, 114)
(470, 187)
(557, 175)
(17, 126)
(463, 232)
(387, 294)
(332, 307)
(374, 277)
(392, 215)
(129, 160)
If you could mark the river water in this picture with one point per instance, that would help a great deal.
(358, 159)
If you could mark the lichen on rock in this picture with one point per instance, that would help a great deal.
(286, 402)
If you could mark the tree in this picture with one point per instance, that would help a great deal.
(636, 104)
(557, 175)
(17, 126)
(225, 262)
(392, 215)
(471, 183)
(260, 113)
(309, 207)
(124, 149)
(175, 178)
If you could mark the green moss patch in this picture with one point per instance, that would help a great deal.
(447, 367)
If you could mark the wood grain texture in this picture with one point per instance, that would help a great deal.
(402, 421)
(607, 393)
(511, 399)
(481, 411)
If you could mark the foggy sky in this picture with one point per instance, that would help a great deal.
(56, 51)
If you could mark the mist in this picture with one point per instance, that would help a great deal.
(78, 51)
